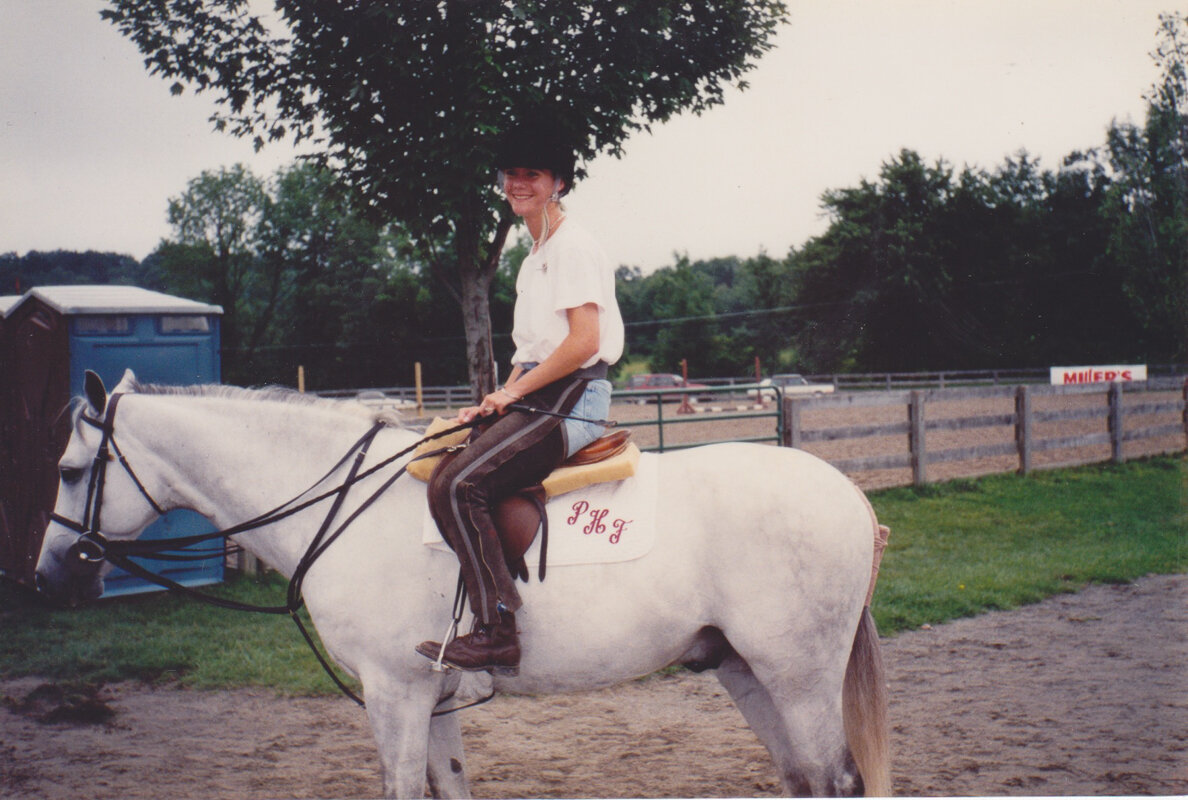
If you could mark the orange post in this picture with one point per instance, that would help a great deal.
(685, 407)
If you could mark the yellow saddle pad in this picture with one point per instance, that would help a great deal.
(561, 480)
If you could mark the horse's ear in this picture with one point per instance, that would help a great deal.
(95, 391)
(127, 383)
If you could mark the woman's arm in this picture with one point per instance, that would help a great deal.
(575, 349)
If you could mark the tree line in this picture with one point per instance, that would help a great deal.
(925, 266)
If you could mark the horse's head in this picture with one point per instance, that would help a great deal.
(99, 500)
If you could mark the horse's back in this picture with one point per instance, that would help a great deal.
(770, 494)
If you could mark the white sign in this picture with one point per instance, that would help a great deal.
(1062, 376)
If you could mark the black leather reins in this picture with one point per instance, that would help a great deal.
(92, 547)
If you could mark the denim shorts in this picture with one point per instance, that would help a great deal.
(593, 404)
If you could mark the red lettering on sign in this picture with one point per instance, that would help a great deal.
(1096, 376)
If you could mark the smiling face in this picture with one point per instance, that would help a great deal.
(528, 190)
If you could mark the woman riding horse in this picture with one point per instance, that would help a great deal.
(567, 332)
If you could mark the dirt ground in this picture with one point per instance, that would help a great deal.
(1083, 694)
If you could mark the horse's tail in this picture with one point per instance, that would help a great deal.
(864, 709)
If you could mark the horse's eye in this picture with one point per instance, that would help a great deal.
(70, 474)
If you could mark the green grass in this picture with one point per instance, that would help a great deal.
(160, 638)
(968, 546)
(956, 549)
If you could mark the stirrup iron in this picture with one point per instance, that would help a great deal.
(439, 664)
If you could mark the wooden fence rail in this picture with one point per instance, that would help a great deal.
(1025, 420)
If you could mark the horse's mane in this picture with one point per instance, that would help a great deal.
(268, 394)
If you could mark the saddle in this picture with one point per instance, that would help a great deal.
(520, 516)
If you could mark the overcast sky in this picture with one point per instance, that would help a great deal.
(92, 147)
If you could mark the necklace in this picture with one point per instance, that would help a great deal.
(547, 231)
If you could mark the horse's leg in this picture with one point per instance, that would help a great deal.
(399, 712)
(447, 766)
(757, 709)
(800, 725)
(818, 759)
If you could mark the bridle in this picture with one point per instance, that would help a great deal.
(91, 547)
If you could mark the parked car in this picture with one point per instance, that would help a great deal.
(791, 383)
(674, 387)
(378, 400)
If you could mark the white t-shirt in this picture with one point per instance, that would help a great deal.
(570, 270)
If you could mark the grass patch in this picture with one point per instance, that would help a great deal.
(956, 549)
(968, 546)
(159, 638)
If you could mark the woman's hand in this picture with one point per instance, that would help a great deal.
(495, 403)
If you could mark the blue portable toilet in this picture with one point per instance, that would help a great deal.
(50, 336)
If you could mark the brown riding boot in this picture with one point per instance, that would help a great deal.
(492, 647)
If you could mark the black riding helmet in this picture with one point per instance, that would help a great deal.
(538, 146)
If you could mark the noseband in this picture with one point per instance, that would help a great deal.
(91, 547)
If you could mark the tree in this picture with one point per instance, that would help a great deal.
(764, 287)
(682, 297)
(1147, 205)
(878, 280)
(212, 254)
(407, 99)
(323, 262)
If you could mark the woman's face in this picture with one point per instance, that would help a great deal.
(528, 190)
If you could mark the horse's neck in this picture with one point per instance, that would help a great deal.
(232, 460)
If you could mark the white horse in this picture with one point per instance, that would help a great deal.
(760, 571)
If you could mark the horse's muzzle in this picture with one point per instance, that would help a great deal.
(75, 591)
(71, 575)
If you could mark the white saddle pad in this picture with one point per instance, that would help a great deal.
(598, 524)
